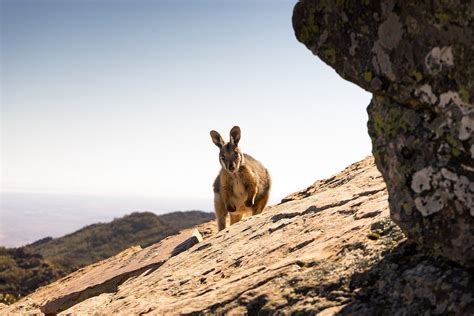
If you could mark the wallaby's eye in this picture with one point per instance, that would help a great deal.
(221, 157)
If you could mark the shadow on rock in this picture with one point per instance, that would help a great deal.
(410, 280)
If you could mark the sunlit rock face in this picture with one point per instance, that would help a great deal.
(417, 58)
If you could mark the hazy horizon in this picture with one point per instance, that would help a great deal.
(117, 98)
(43, 215)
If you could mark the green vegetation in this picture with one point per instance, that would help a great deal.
(24, 269)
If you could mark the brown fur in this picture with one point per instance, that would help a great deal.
(243, 184)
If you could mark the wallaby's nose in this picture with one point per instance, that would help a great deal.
(231, 167)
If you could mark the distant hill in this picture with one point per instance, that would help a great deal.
(24, 269)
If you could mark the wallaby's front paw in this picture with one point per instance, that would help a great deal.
(249, 203)
(230, 208)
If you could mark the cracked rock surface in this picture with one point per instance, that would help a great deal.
(329, 249)
(417, 58)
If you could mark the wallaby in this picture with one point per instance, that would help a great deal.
(243, 184)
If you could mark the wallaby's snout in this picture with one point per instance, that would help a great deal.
(230, 158)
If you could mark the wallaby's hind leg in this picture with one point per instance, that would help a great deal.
(234, 218)
(260, 204)
(221, 212)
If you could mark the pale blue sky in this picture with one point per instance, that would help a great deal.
(118, 97)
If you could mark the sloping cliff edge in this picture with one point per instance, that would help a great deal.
(328, 249)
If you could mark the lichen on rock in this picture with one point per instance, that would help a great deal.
(417, 58)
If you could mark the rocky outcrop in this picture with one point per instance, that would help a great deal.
(107, 275)
(24, 269)
(417, 58)
(330, 248)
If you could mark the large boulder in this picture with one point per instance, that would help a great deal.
(417, 58)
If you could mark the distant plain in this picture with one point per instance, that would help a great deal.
(28, 217)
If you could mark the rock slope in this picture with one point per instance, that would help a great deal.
(24, 269)
(330, 248)
(417, 58)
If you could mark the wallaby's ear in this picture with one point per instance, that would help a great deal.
(217, 139)
(235, 135)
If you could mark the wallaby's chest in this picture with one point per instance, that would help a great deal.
(239, 194)
(238, 188)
